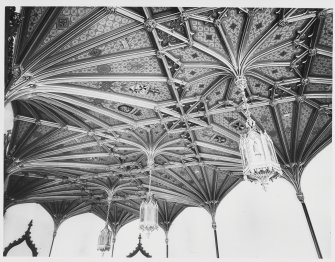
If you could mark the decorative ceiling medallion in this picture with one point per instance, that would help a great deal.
(95, 52)
(62, 22)
(143, 89)
(103, 69)
(125, 108)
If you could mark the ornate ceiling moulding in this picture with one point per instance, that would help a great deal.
(97, 92)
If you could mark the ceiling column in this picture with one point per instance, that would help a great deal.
(300, 197)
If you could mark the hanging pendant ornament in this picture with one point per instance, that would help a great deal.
(104, 241)
(149, 209)
(259, 158)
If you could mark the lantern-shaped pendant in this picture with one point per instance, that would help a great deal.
(104, 241)
(258, 155)
(259, 158)
(149, 215)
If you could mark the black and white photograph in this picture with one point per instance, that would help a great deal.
(136, 132)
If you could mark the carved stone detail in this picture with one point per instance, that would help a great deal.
(300, 197)
(184, 16)
(283, 22)
(110, 10)
(217, 22)
(312, 52)
(300, 99)
(160, 54)
(150, 24)
(322, 14)
(16, 72)
(305, 81)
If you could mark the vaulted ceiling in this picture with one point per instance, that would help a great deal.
(97, 90)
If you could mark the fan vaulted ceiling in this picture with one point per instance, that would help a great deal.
(96, 90)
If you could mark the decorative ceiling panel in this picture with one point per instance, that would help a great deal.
(218, 93)
(282, 54)
(258, 87)
(38, 133)
(106, 24)
(306, 112)
(133, 66)
(79, 140)
(191, 54)
(109, 120)
(264, 116)
(157, 10)
(234, 93)
(280, 35)
(318, 87)
(60, 134)
(67, 18)
(323, 101)
(319, 125)
(286, 113)
(231, 120)
(326, 37)
(167, 39)
(190, 74)
(210, 136)
(176, 25)
(322, 66)
(34, 19)
(22, 128)
(133, 112)
(136, 40)
(208, 35)
(260, 22)
(233, 24)
(156, 91)
(277, 73)
(157, 131)
(201, 86)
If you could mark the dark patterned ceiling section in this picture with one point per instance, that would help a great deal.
(144, 65)
(231, 120)
(35, 16)
(306, 113)
(207, 34)
(322, 121)
(260, 22)
(190, 54)
(264, 116)
(232, 24)
(277, 73)
(258, 87)
(133, 41)
(286, 116)
(158, 10)
(318, 88)
(279, 35)
(66, 18)
(210, 136)
(105, 25)
(322, 66)
(326, 37)
(287, 53)
(218, 93)
(200, 85)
